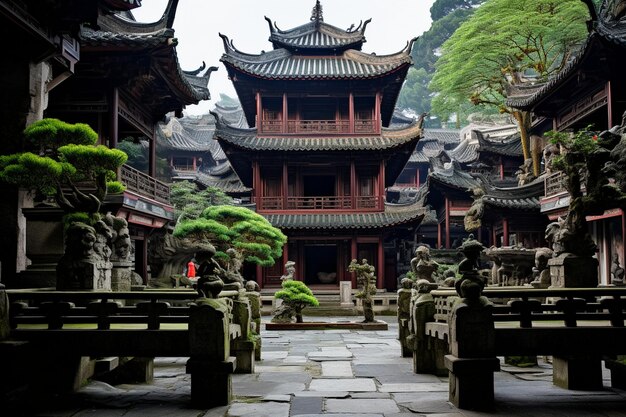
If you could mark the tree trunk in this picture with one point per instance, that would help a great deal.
(523, 123)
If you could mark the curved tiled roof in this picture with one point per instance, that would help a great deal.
(229, 183)
(247, 139)
(283, 64)
(465, 152)
(426, 149)
(393, 215)
(525, 197)
(443, 135)
(317, 35)
(451, 175)
(122, 34)
(508, 146)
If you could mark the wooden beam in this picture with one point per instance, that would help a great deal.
(152, 155)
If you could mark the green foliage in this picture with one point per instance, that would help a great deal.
(66, 155)
(115, 187)
(79, 217)
(442, 8)
(503, 41)
(447, 16)
(296, 292)
(53, 133)
(189, 202)
(228, 226)
(583, 142)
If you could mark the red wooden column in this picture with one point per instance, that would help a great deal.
(417, 177)
(505, 232)
(285, 184)
(351, 113)
(258, 112)
(285, 112)
(353, 183)
(256, 184)
(381, 264)
(114, 110)
(353, 255)
(259, 275)
(285, 254)
(501, 169)
(377, 118)
(381, 185)
(194, 163)
(447, 208)
(438, 235)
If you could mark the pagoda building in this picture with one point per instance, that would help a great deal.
(320, 153)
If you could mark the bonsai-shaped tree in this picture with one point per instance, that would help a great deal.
(190, 202)
(366, 280)
(59, 156)
(249, 233)
(296, 296)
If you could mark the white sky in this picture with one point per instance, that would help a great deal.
(198, 23)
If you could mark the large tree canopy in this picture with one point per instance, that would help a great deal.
(228, 226)
(447, 16)
(504, 43)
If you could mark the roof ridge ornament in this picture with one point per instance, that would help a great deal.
(317, 14)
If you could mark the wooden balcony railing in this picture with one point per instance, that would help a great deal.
(364, 203)
(144, 184)
(555, 184)
(318, 126)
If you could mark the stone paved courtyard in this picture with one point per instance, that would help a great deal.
(336, 373)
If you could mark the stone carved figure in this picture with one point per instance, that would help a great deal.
(366, 280)
(541, 272)
(617, 271)
(85, 263)
(525, 173)
(470, 286)
(422, 266)
(549, 153)
(122, 274)
(290, 271)
(168, 256)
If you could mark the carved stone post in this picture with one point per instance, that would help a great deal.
(210, 364)
(243, 346)
(404, 313)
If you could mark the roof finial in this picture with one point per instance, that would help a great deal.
(317, 14)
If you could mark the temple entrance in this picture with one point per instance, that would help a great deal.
(320, 264)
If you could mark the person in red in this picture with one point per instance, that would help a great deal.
(191, 269)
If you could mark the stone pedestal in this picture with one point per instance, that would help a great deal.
(121, 275)
(471, 382)
(570, 271)
(577, 373)
(84, 275)
(345, 292)
(472, 361)
(245, 354)
(44, 247)
(211, 384)
(404, 317)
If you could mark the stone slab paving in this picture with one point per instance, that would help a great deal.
(330, 373)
